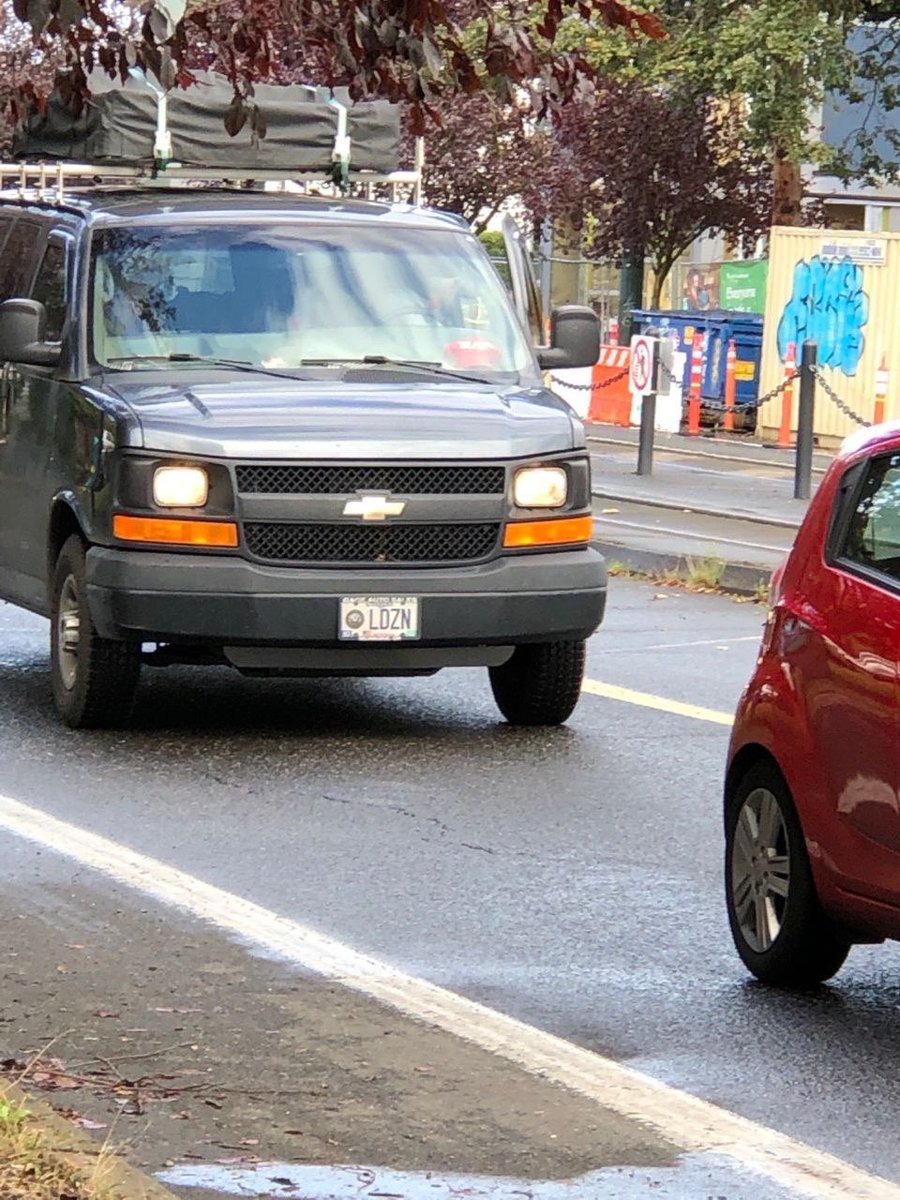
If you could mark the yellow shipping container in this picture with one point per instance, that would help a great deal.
(841, 288)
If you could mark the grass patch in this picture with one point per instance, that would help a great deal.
(697, 575)
(29, 1170)
(705, 574)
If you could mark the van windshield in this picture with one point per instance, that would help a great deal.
(283, 296)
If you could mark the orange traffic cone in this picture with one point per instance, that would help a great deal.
(881, 390)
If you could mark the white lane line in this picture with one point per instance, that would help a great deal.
(605, 519)
(693, 1124)
(723, 641)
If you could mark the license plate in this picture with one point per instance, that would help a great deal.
(379, 618)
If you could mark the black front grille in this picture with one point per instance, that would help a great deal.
(291, 479)
(280, 541)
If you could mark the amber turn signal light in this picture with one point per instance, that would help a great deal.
(173, 532)
(559, 531)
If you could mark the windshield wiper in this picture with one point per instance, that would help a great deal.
(382, 360)
(235, 364)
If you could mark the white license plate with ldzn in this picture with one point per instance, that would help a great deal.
(379, 618)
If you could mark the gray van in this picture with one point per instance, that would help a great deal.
(295, 436)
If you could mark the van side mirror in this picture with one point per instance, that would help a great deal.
(574, 338)
(23, 325)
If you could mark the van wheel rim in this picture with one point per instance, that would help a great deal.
(68, 633)
(760, 870)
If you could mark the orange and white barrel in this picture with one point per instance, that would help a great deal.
(882, 386)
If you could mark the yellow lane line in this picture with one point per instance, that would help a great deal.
(609, 691)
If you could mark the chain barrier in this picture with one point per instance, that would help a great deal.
(837, 401)
(719, 406)
(591, 387)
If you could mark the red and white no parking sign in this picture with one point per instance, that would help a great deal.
(643, 361)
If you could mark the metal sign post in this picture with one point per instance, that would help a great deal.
(644, 382)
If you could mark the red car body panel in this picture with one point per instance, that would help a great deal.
(823, 703)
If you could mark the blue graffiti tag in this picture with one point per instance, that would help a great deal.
(829, 306)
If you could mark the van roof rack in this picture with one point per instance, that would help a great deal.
(50, 181)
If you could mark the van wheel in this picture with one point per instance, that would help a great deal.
(779, 928)
(540, 684)
(93, 678)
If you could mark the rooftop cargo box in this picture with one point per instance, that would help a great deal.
(117, 127)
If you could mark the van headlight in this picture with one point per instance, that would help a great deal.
(180, 487)
(540, 487)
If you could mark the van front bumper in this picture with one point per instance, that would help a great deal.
(218, 600)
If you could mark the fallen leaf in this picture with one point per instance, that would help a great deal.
(249, 1141)
(213, 1103)
(50, 1079)
(105, 1012)
(294, 1132)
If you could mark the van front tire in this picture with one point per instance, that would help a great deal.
(540, 684)
(93, 678)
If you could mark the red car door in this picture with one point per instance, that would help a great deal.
(841, 643)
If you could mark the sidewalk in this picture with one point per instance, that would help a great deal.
(222, 1073)
(708, 497)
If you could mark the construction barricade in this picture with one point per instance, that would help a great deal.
(600, 393)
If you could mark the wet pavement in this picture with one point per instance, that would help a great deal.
(694, 1176)
(757, 494)
(569, 878)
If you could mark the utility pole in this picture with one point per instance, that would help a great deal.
(631, 289)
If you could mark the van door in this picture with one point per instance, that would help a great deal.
(526, 295)
(18, 263)
(32, 395)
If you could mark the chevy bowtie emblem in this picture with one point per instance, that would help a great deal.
(374, 508)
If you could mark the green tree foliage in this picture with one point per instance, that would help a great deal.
(780, 56)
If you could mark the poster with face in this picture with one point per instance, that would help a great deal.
(701, 289)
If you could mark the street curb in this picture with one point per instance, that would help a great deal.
(677, 506)
(74, 1148)
(740, 578)
(708, 455)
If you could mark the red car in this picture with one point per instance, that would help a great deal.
(812, 795)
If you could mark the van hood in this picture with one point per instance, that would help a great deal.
(221, 415)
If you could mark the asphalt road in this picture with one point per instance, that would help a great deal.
(568, 878)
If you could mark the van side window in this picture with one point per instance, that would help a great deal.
(50, 288)
(873, 535)
(17, 260)
(6, 224)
